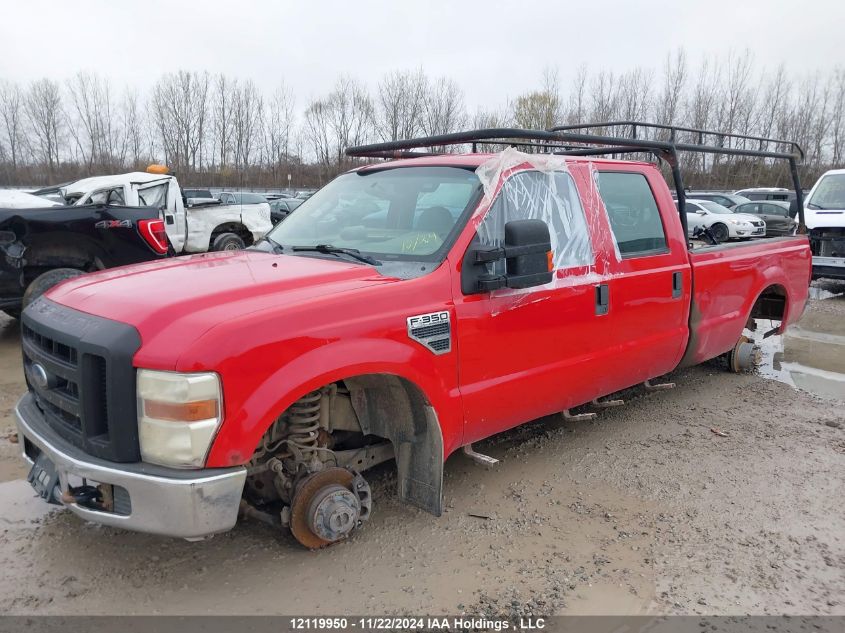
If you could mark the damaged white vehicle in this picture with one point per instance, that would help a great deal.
(193, 225)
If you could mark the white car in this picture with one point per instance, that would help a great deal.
(723, 223)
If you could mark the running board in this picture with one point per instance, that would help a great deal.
(478, 458)
(658, 387)
(577, 417)
(604, 404)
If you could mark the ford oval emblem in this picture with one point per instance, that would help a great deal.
(38, 375)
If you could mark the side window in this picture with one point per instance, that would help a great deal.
(115, 197)
(548, 196)
(98, 198)
(154, 196)
(634, 216)
(689, 207)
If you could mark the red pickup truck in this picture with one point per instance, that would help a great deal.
(406, 310)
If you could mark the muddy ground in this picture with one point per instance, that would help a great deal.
(644, 510)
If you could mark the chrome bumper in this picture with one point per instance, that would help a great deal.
(166, 501)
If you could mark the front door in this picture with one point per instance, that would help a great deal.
(529, 353)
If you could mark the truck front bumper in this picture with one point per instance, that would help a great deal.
(143, 497)
(829, 267)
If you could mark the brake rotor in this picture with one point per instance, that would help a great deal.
(326, 507)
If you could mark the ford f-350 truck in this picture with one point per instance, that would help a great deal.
(406, 310)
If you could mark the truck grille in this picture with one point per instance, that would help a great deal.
(79, 368)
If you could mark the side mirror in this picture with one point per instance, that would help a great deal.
(527, 252)
(699, 212)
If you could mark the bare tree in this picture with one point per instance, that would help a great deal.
(46, 116)
(341, 119)
(180, 108)
(278, 130)
(577, 108)
(670, 100)
(12, 114)
(98, 137)
(400, 105)
(135, 127)
(223, 98)
(247, 111)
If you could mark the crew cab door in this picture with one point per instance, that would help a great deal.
(649, 276)
(532, 352)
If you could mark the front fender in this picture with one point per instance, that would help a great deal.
(251, 409)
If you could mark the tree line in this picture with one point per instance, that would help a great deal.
(218, 130)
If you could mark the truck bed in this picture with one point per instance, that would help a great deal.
(728, 280)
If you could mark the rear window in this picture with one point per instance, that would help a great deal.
(633, 213)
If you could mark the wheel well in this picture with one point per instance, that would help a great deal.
(232, 227)
(46, 254)
(395, 408)
(771, 304)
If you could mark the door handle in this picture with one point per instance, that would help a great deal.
(602, 299)
(677, 284)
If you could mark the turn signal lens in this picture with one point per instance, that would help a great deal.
(181, 412)
(551, 260)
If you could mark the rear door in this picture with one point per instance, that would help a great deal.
(776, 217)
(649, 278)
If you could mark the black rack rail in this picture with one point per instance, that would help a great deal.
(571, 141)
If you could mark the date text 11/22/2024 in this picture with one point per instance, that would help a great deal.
(410, 623)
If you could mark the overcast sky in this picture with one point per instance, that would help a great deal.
(495, 50)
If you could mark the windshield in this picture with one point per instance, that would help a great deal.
(403, 213)
(714, 207)
(829, 193)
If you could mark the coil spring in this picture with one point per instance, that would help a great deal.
(303, 425)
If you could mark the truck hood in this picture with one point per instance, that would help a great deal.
(824, 218)
(194, 293)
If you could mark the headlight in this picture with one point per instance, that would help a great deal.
(178, 416)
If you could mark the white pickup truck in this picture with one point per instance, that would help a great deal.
(824, 210)
(192, 225)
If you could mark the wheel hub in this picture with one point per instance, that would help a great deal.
(328, 505)
(333, 513)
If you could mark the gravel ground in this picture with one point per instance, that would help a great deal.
(644, 510)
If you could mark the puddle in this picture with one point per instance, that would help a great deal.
(22, 508)
(818, 292)
(809, 356)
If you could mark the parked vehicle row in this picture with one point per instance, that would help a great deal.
(722, 222)
(106, 221)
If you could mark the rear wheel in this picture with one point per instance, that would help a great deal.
(45, 281)
(227, 242)
(720, 232)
